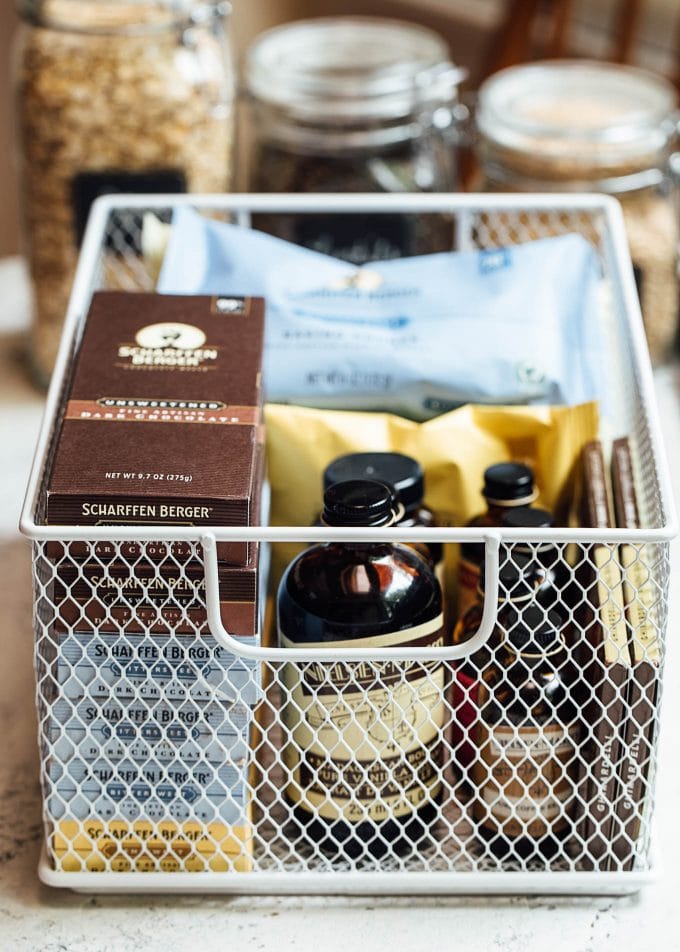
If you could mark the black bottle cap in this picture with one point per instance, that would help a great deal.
(359, 502)
(509, 482)
(403, 473)
(526, 518)
(532, 630)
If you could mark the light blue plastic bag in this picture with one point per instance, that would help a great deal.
(415, 336)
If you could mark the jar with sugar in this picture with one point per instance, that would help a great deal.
(586, 126)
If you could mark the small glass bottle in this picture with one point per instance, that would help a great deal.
(506, 486)
(591, 126)
(363, 747)
(552, 591)
(518, 581)
(354, 104)
(405, 475)
(526, 738)
(113, 97)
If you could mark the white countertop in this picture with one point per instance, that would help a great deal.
(34, 917)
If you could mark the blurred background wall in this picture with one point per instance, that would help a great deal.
(482, 35)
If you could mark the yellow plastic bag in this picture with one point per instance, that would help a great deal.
(454, 450)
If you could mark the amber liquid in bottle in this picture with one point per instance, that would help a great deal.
(556, 588)
(506, 486)
(363, 747)
(519, 580)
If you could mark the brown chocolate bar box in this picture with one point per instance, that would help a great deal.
(136, 598)
(162, 426)
(163, 422)
(640, 600)
(605, 661)
(228, 553)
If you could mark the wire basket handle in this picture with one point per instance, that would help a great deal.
(491, 541)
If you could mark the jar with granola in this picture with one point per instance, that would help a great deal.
(112, 96)
(582, 126)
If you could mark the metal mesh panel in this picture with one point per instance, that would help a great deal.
(145, 721)
(160, 751)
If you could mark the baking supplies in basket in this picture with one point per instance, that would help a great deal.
(409, 336)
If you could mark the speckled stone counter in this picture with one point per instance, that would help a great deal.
(33, 917)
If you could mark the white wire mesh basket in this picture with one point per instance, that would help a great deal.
(172, 752)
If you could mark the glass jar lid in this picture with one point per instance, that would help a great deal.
(576, 116)
(120, 16)
(335, 70)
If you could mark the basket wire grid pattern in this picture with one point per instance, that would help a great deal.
(141, 723)
(159, 757)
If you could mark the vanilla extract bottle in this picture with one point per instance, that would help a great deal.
(405, 476)
(527, 736)
(506, 486)
(552, 590)
(363, 745)
(519, 579)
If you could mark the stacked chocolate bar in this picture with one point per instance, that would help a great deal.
(621, 659)
(150, 719)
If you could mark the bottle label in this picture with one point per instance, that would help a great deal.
(364, 738)
(522, 779)
(468, 585)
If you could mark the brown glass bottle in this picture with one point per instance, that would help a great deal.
(363, 747)
(506, 486)
(553, 590)
(519, 579)
(405, 475)
(526, 736)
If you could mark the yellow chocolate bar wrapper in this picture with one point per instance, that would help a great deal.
(99, 845)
